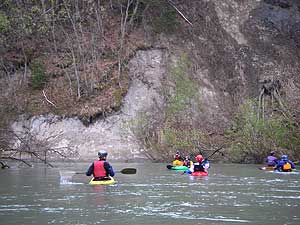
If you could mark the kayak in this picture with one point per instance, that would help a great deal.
(294, 171)
(271, 168)
(267, 168)
(181, 168)
(199, 174)
(102, 182)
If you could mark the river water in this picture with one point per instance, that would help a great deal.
(231, 194)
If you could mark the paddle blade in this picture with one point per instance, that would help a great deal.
(169, 167)
(128, 171)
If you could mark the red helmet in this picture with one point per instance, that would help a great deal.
(199, 158)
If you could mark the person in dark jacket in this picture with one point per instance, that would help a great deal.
(201, 165)
(187, 161)
(178, 161)
(100, 169)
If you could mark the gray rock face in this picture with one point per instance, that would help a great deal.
(114, 133)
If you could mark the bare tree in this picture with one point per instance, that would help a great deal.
(27, 147)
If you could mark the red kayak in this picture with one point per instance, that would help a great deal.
(199, 174)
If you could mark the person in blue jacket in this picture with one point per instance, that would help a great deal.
(271, 160)
(285, 165)
(101, 169)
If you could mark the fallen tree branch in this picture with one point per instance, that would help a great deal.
(17, 159)
(180, 13)
(48, 99)
(3, 165)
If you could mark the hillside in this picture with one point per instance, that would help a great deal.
(143, 78)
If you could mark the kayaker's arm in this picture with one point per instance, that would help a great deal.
(109, 169)
(292, 165)
(90, 170)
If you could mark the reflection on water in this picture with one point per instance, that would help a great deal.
(231, 194)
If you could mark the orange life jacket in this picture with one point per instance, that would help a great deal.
(287, 167)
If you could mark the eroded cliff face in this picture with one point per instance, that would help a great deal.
(114, 133)
(231, 48)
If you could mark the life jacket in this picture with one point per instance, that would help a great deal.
(287, 167)
(177, 163)
(187, 163)
(198, 167)
(99, 170)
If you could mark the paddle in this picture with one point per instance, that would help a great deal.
(169, 167)
(123, 171)
(217, 150)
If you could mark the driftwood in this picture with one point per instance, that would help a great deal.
(30, 146)
(3, 165)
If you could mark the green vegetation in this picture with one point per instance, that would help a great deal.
(178, 130)
(38, 77)
(252, 138)
(166, 21)
(187, 140)
(4, 22)
(185, 88)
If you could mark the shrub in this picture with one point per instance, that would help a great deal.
(4, 22)
(251, 137)
(185, 88)
(38, 77)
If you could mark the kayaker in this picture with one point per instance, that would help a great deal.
(201, 165)
(187, 161)
(285, 165)
(100, 169)
(271, 160)
(178, 161)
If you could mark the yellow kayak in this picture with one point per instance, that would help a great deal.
(102, 182)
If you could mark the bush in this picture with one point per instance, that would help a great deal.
(161, 16)
(185, 88)
(38, 77)
(4, 22)
(252, 138)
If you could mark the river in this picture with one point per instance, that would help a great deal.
(231, 194)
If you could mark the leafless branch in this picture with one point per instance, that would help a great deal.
(17, 159)
(180, 13)
(48, 99)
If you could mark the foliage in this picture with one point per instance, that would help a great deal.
(38, 77)
(187, 140)
(178, 130)
(166, 19)
(143, 130)
(4, 22)
(252, 137)
(185, 88)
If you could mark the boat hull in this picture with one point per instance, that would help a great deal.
(102, 182)
(199, 174)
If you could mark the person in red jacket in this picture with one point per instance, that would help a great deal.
(101, 169)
